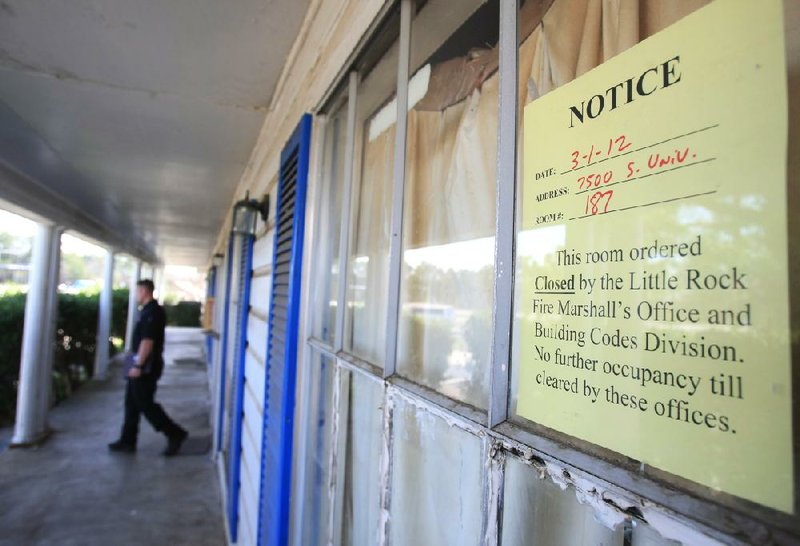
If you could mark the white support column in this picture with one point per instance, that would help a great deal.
(159, 282)
(33, 395)
(104, 319)
(153, 277)
(133, 309)
(50, 326)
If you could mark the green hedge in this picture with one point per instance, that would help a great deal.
(12, 311)
(76, 334)
(185, 313)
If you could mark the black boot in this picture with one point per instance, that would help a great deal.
(174, 443)
(122, 447)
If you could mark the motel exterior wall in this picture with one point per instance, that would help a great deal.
(593, 499)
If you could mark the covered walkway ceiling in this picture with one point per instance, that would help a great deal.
(132, 120)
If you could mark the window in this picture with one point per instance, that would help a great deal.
(410, 460)
(368, 274)
(444, 338)
(324, 288)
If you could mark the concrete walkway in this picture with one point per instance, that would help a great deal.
(72, 491)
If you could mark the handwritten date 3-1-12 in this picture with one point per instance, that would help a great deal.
(598, 201)
(584, 158)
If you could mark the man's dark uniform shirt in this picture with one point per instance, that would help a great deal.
(140, 391)
(151, 325)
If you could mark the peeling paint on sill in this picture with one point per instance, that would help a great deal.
(429, 407)
(386, 467)
(611, 508)
(673, 529)
(494, 469)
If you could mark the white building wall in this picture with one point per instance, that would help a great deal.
(341, 24)
(255, 375)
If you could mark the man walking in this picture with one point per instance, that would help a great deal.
(143, 369)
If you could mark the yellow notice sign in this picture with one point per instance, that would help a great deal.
(652, 312)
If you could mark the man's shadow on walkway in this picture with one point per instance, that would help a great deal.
(195, 445)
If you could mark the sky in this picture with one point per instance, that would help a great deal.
(70, 243)
(16, 225)
(182, 281)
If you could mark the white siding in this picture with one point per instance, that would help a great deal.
(253, 408)
(257, 336)
(254, 388)
(262, 252)
(261, 308)
(248, 501)
(254, 379)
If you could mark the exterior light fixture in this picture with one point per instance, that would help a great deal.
(217, 259)
(246, 212)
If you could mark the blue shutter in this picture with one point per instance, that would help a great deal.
(236, 413)
(287, 259)
(211, 290)
(224, 348)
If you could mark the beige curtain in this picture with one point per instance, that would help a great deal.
(452, 152)
(369, 277)
(451, 170)
(577, 35)
(451, 162)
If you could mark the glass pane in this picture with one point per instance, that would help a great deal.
(362, 494)
(328, 227)
(537, 512)
(548, 59)
(311, 474)
(448, 242)
(436, 481)
(368, 276)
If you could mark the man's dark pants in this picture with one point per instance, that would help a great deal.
(140, 399)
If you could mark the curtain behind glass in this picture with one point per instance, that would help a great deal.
(446, 293)
(324, 287)
(368, 275)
